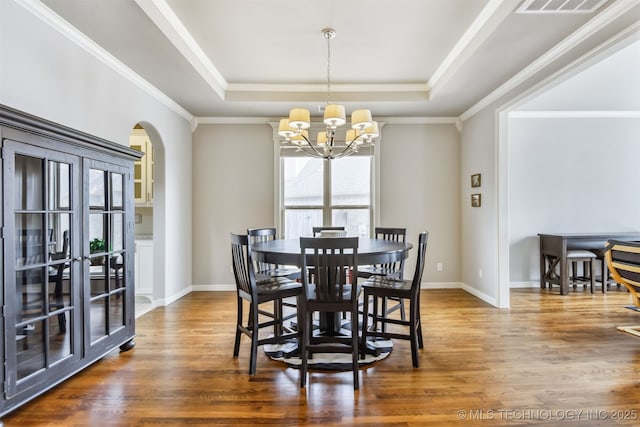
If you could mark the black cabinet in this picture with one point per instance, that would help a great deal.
(67, 251)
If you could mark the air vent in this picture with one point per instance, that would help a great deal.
(560, 6)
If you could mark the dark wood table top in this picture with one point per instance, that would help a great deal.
(370, 251)
(632, 234)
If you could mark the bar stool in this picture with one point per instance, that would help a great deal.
(588, 260)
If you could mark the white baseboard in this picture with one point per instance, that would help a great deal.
(481, 295)
(173, 298)
(516, 285)
(213, 288)
(425, 285)
(441, 285)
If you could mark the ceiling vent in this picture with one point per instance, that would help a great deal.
(560, 6)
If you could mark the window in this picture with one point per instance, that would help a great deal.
(326, 192)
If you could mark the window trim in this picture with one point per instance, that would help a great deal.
(278, 164)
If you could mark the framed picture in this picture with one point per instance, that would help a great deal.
(475, 180)
(476, 200)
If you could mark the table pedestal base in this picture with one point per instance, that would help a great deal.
(328, 361)
(377, 349)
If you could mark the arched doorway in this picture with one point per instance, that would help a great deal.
(143, 191)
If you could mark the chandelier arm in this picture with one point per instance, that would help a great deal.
(312, 153)
(352, 142)
(312, 147)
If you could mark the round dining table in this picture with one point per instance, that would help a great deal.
(370, 252)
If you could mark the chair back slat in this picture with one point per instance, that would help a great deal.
(242, 265)
(394, 234)
(624, 262)
(259, 235)
(420, 261)
(331, 261)
(317, 230)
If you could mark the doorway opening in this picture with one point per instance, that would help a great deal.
(143, 191)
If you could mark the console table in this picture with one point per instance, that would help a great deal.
(557, 245)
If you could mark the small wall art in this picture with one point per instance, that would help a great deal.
(476, 200)
(476, 180)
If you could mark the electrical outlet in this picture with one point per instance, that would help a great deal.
(439, 267)
(480, 273)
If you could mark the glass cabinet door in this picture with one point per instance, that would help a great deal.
(41, 260)
(107, 241)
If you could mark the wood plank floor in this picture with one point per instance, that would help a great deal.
(550, 359)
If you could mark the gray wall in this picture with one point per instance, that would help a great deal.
(573, 159)
(572, 176)
(233, 190)
(44, 73)
(233, 184)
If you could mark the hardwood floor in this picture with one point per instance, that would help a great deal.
(550, 359)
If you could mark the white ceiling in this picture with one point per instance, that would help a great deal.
(399, 58)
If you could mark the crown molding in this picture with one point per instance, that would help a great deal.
(616, 10)
(47, 16)
(264, 120)
(172, 27)
(578, 114)
(482, 27)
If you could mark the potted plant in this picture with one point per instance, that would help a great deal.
(97, 245)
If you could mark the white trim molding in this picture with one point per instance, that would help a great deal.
(584, 114)
(615, 11)
(46, 15)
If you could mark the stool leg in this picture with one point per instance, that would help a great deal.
(592, 265)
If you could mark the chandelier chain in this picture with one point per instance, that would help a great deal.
(329, 69)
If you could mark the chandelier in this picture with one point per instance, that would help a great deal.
(295, 132)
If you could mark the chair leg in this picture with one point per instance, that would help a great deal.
(355, 348)
(278, 323)
(236, 347)
(365, 319)
(62, 322)
(383, 327)
(306, 330)
(413, 334)
(419, 322)
(374, 314)
(254, 340)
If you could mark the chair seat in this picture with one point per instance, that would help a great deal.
(579, 253)
(277, 285)
(346, 293)
(277, 272)
(387, 283)
(374, 270)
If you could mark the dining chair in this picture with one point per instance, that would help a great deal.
(264, 270)
(267, 291)
(623, 261)
(56, 276)
(329, 292)
(393, 270)
(317, 230)
(380, 287)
